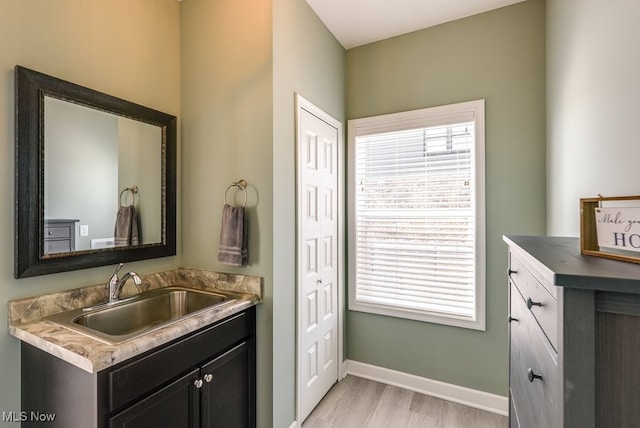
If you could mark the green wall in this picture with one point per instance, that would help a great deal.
(227, 134)
(242, 62)
(498, 56)
(307, 60)
(128, 49)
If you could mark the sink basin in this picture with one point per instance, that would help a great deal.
(139, 315)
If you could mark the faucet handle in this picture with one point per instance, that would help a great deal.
(114, 278)
(135, 277)
(118, 269)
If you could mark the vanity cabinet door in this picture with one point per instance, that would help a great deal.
(218, 389)
(176, 405)
(228, 392)
(204, 379)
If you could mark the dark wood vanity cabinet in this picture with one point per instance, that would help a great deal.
(175, 405)
(205, 380)
(573, 336)
(214, 395)
(224, 378)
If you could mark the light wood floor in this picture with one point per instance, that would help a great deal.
(357, 402)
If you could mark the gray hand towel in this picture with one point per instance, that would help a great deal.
(125, 232)
(233, 237)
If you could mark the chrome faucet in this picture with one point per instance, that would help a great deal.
(116, 284)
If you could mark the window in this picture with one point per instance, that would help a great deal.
(416, 215)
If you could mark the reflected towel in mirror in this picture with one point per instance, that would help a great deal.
(126, 230)
(233, 237)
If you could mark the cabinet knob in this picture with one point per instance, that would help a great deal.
(50, 232)
(198, 383)
(208, 377)
(531, 303)
(532, 376)
(510, 318)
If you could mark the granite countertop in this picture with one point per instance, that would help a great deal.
(27, 316)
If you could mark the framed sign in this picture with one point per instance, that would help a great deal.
(610, 227)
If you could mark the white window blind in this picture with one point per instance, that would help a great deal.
(414, 217)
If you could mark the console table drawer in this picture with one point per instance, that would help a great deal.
(542, 305)
(59, 235)
(533, 369)
(57, 232)
(518, 268)
(52, 246)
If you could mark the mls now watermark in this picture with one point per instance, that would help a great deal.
(24, 416)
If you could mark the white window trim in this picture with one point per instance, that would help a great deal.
(422, 118)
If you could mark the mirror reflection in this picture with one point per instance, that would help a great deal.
(95, 178)
(102, 179)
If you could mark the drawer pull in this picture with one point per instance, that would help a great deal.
(510, 271)
(198, 383)
(512, 318)
(531, 303)
(532, 376)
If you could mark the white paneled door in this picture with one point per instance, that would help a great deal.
(318, 257)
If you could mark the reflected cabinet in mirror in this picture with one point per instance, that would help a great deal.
(95, 178)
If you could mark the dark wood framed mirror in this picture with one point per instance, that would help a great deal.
(81, 156)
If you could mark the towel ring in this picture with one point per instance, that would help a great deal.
(241, 184)
(133, 190)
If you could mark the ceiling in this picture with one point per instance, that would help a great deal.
(358, 22)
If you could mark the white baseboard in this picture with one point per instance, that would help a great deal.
(458, 394)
